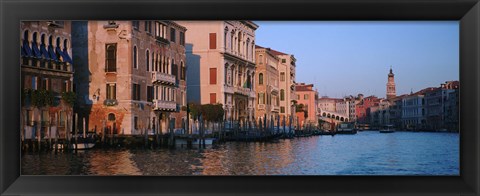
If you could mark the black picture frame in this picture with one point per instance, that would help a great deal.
(465, 11)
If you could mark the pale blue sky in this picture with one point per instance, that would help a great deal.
(343, 58)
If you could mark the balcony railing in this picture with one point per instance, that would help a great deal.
(162, 40)
(276, 108)
(164, 105)
(163, 78)
(261, 106)
(274, 89)
(47, 64)
(110, 102)
(228, 89)
(244, 91)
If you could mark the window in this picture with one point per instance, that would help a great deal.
(213, 75)
(260, 79)
(112, 91)
(282, 95)
(148, 27)
(213, 98)
(136, 92)
(282, 76)
(182, 38)
(298, 97)
(135, 59)
(111, 117)
(149, 93)
(135, 122)
(147, 60)
(282, 109)
(305, 96)
(182, 71)
(136, 24)
(261, 98)
(213, 41)
(111, 58)
(260, 59)
(172, 35)
(45, 84)
(34, 82)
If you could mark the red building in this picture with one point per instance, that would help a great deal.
(362, 107)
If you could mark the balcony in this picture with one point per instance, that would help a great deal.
(274, 89)
(261, 106)
(110, 102)
(228, 89)
(276, 108)
(164, 105)
(162, 40)
(163, 78)
(242, 91)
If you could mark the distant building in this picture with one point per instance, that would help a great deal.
(267, 75)
(131, 75)
(221, 61)
(437, 102)
(46, 74)
(362, 117)
(414, 110)
(307, 97)
(380, 114)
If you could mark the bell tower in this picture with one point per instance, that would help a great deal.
(391, 92)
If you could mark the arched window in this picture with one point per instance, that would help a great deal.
(282, 95)
(147, 60)
(111, 58)
(260, 79)
(111, 117)
(183, 70)
(260, 59)
(57, 48)
(135, 57)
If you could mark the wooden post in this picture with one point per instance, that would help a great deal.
(75, 132)
(84, 129)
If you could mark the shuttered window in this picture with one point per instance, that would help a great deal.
(213, 41)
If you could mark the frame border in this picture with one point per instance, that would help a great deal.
(467, 12)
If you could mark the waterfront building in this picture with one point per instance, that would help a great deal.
(286, 69)
(414, 110)
(342, 107)
(328, 104)
(396, 111)
(452, 111)
(267, 84)
(380, 113)
(131, 75)
(361, 109)
(46, 78)
(436, 105)
(307, 97)
(221, 61)
(391, 91)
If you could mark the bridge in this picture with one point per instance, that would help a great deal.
(328, 116)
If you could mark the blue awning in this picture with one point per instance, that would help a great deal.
(26, 47)
(53, 56)
(67, 57)
(44, 52)
(36, 51)
(60, 53)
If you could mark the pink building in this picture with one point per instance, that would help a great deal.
(307, 97)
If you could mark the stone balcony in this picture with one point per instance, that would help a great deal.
(276, 108)
(242, 91)
(164, 105)
(274, 89)
(163, 78)
(228, 89)
(261, 106)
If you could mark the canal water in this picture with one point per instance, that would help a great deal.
(366, 153)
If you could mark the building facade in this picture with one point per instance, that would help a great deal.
(131, 75)
(221, 61)
(287, 72)
(267, 84)
(307, 97)
(46, 79)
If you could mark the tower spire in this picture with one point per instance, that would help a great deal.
(391, 92)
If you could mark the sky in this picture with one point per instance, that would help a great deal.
(347, 58)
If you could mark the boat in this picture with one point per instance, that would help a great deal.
(83, 143)
(346, 128)
(387, 129)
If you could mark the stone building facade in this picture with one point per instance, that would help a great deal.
(131, 75)
(46, 73)
(221, 61)
(267, 84)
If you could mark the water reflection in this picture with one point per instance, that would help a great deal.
(367, 153)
